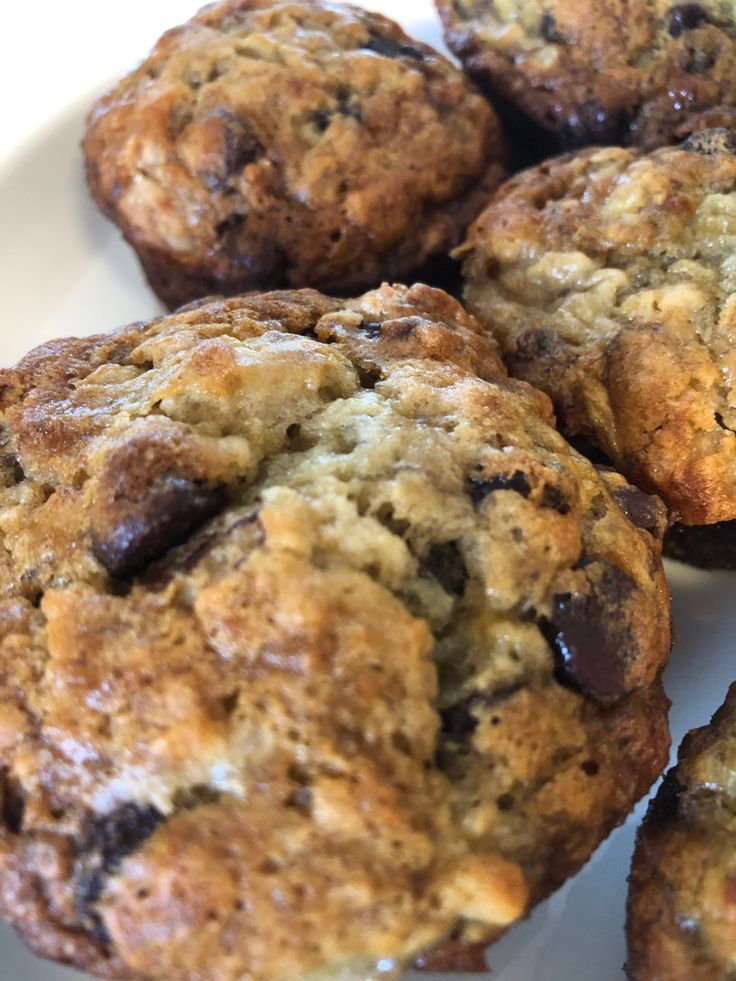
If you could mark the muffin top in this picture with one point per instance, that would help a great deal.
(682, 900)
(630, 71)
(608, 277)
(268, 143)
(332, 647)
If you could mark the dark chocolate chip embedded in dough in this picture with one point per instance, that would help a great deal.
(590, 637)
(445, 562)
(458, 721)
(106, 841)
(115, 835)
(555, 499)
(393, 49)
(371, 327)
(12, 802)
(217, 145)
(478, 488)
(143, 530)
(642, 510)
(548, 28)
(685, 17)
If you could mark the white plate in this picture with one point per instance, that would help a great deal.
(66, 271)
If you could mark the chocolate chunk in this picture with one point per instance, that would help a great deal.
(642, 510)
(12, 802)
(230, 224)
(371, 327)
(160, 574)
(143, 530)
(711, 141)
(188, 798)
(461, 719)
(107, 840)
(346, 107)
(117, 834)
(445, 562)
(554, 499)
(685, 17)
(534, 344)
(478, 488)
(217, 145)
(389, 48)
(321, 119)
(458, 722)
(590, 636)
(663, 807)
(548, 28)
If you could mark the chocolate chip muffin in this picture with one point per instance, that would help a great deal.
(574, 72)
(269, 143)
(682, 900)
(319, 646)
(608, 278)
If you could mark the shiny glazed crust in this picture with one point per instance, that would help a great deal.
(270, 143)
(310, 621)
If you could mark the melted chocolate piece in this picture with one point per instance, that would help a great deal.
(393, 49)
(12, 802)
(554, 499)
(534, 344)
(642, 510)
(143, 530)
(107, 841)
(446, 564)
(590, 638)
(114, 836)
(478, 488)
(322, 118)
(548, 28)
(458, 722)
(685, 17)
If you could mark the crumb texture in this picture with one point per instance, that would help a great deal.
(608, 277)
(318, 644)
(682, 899)
(273, 143)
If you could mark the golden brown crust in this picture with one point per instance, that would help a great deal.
(323, 626)
(627, 71)
(607, 277)
(274, 142)
(682, 899)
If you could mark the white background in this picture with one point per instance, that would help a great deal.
(65, 271)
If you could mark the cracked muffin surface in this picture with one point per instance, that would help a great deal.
(578, 72)
(608, 278)
(319, 646)
(682, 900)
(269, 143)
